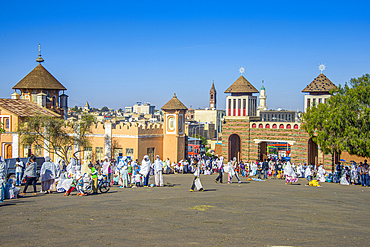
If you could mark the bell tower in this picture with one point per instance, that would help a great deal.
(174, 130)
(212, 97)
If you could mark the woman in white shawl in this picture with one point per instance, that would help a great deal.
(47, 174)
(145, 169)
(58, 167)
(354, 173)
(230, 171)
(308, 174)
(71, 168)
(123, 168)
(321, 172)
(158, 176)
(105, 166)
(300, 170)
(290, 175)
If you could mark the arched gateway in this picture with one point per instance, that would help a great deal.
(234, 147)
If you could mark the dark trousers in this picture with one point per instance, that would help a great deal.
(30, 180)
(219, 176)
(365, 180)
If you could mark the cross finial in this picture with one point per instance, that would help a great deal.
(322, 67)
(241, 70)
(39, 59)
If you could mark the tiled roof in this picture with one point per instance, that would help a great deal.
(25, 108)
(39, 78)
(241, 85)
(320, 84)
(174, 104)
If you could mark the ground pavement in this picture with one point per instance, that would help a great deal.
(268, 213)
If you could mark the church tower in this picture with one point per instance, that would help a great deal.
(42, 88)
(212, 97)
(174, 130)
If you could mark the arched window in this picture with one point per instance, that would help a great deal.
(7, 123)
(267, 126)
(260, 126)
(254, 126)
(281, 126)
(288, 126)
(296, 126)
(274, 126)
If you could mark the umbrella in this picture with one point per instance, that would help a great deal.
(342, 160)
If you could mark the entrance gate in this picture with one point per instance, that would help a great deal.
(234, 147)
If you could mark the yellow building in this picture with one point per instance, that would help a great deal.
(40, 95)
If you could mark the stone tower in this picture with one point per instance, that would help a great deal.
(212, 97)
(174, 130)
(262, 106)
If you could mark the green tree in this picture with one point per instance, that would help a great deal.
(58, 135)
(1, 129)
(104, 109)
(203, 140)
(342, 123)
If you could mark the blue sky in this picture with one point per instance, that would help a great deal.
(115, 53)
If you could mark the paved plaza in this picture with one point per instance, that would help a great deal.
(267, 213)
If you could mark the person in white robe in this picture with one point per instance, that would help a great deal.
(158, 176)
(354, 173)
(290, 175)
(145, 169)
(47, 174)
(196, 182)
(321, 172)
(58, 167)
(344, 180)
(253, 169)
(71, 168)
(105, 166)
(308, 174)
(300, 171)
(123, 167)
(168, 164)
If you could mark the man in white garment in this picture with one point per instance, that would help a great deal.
(158, 176)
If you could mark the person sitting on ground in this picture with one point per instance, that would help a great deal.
(11, 192)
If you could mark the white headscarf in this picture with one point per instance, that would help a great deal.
(289, 171)
(308, 172)
(145, 166)
(105, 165)
(47, 171)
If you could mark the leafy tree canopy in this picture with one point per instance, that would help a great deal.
(342, 123)
(104, 109)
(59, 136)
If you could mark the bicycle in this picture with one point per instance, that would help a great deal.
(103, 185)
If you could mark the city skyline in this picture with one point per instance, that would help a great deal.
(116, 54)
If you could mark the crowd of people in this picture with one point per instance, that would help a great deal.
(128, 173)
